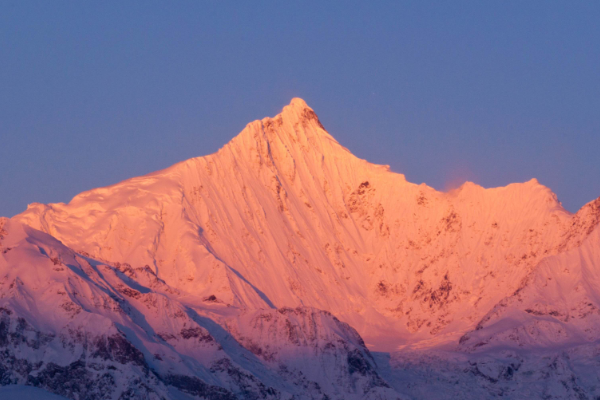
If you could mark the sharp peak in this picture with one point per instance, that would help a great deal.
(298, 102)
(296, 127)
(297, 112)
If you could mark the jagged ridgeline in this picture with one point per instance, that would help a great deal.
(257, 271)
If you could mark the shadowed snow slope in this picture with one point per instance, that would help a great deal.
(20, 392)
(84, 329)
(222, 263)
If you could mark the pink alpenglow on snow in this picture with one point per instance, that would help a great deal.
(283, 266)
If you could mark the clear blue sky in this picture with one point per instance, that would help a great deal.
(92, 93)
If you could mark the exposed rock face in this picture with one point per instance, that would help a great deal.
(219, 276)
(75, 364)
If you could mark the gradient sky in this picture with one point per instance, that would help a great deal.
(92, 93)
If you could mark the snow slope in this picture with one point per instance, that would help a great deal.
(557, 304)
(84, 329)
(232, 256)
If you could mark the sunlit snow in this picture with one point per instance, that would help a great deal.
(259, 270)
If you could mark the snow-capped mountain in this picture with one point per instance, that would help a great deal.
(257, 271)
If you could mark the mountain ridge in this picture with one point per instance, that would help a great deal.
(291, 161)
(275, 267)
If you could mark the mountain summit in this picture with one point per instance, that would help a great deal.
(267, 240)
